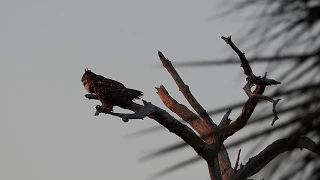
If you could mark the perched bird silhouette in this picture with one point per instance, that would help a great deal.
(110, 92)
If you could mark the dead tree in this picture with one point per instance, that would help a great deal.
(209, 145)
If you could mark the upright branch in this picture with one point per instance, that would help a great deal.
(259, 82)
(185, 90)
(184, 113)
(225, 119)
(244, 62)
(204, 128)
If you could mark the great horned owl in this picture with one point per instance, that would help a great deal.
(110, 92)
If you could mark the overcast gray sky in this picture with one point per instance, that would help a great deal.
(47, 127)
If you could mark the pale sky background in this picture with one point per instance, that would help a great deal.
(47, 127)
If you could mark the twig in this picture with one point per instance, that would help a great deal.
(244, 62)
(237, 162)
(248, 108)
(274, 110)
(247, 89)
(225, 120)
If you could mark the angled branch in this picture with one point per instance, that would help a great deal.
(248, 108)
(202, 127)
(256, 163)
(247, 89)
(184, 113)
(169, 122)
(145, 111)
(244, 62)
(185, 90)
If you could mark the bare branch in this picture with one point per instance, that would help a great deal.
(184, 113)
(243, 118)
(299, 89)
(244, 62)
(200, 126)
(145, 111)
(255, 135)
(176, 127)
(185, 90)
(274, 110)
(256, 163)
(224, 161)
(181, 110)
(225, 120)
(237, 162)
(247, 89)
(172, 124)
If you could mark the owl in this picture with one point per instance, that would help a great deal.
(110, 92)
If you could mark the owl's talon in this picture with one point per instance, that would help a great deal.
(98, 110)
(102, 109)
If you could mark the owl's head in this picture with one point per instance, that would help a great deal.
(87, 78)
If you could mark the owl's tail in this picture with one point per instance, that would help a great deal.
(135, 93)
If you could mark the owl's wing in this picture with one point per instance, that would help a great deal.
(109, 91)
